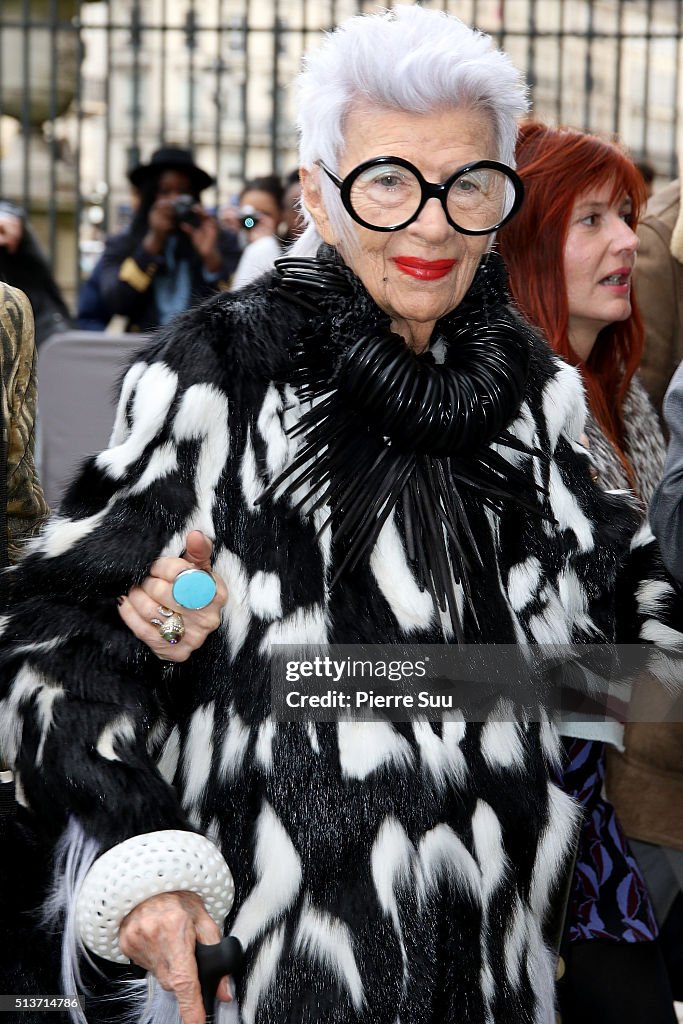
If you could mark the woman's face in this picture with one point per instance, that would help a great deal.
(263, 202)
(421, 272)
(599, 256)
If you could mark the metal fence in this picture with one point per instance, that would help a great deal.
(87, 88)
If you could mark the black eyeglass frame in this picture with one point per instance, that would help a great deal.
(430, 190)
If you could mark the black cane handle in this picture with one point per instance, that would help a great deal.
(213, 963)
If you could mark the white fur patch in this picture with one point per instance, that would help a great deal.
(278, 869)
(197, 754)
(120, 429)
(163, 461)
(264, 744)
(203, 414)
(59, 535)
(553, 847)
(441, 756)
(501, 745)
(328, 941)
(303, 626)
(567, 511)
(366, 747)
(26, 683)
(550, 741)
(252, 486)
(155, 390)
(564, 404)
(653, 595)
(662, 635)
(444, 855)
(312, 731)
(122, 730)
(642, 537)
(279, 448)
(74, 857)
(262, 975)
(523, 583)
(236, 614)
(573, 600)
(515, 942)
(234, 747)
(412, 607)
(19, 794)
(488, 847)
(170, 755)
(392, 864)
(265, 595)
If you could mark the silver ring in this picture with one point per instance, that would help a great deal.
(172, 630)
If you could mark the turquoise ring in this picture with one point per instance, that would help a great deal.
(194, 588)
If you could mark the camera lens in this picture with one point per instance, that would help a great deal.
(249, 222)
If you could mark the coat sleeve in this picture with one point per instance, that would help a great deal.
(666, 511)
(79, 695)
(655, 288)
(26, 505)
(126, 276)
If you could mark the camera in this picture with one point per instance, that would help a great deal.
(248, 217)
(184, 212)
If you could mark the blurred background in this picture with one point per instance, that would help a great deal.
(87, 89)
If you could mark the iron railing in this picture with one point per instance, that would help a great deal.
(88, 88)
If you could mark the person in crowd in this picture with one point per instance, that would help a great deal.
(570, 254)
(174, 253)
(382, 871)
(259, 218)
(659, 286)
(23, 265)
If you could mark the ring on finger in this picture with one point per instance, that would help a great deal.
(194, 588)
(171, 627)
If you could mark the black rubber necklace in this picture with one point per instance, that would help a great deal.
(389, 429)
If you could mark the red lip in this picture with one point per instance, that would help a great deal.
(424, 270)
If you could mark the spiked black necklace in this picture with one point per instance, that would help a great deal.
(387, 429)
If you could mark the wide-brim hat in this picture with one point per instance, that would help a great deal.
(171, 158)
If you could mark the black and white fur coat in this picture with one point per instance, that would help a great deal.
(384, 873)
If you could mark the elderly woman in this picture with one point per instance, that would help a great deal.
(382, 452)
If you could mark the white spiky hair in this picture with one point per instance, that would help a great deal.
(410, 59)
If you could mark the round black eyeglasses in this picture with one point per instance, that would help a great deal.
(387, 193)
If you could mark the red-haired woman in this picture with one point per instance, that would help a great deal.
(570, 253)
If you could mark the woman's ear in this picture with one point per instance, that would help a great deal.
(313, 201)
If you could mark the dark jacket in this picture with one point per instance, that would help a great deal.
(28, 270)
(126, 274)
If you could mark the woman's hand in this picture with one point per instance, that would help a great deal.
(141, 605)
(160, 935)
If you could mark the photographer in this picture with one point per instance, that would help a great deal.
(260, 220)
(174, 254)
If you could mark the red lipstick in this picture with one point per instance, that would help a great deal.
(424, 270)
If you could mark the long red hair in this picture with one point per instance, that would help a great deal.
(558, 166)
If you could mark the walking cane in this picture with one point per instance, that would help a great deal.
(213, 963)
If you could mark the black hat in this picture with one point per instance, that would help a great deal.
(171, 158)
